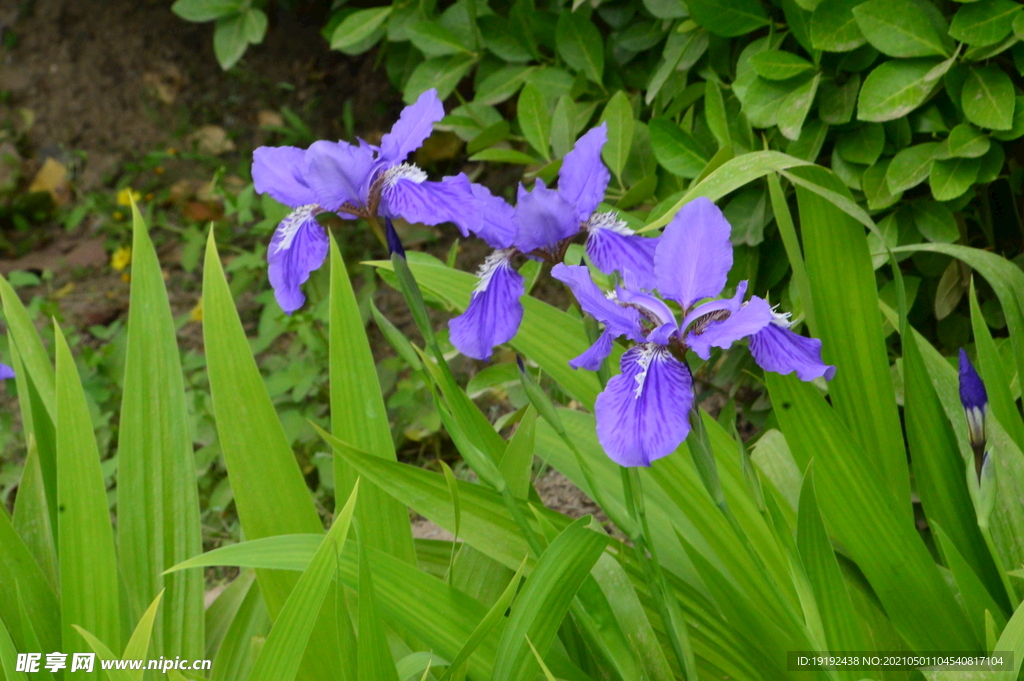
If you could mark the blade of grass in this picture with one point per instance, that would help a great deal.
(137, 647)
(87, 559)
(234, 656)
(31, 514)
(373, 651)
(9, 656)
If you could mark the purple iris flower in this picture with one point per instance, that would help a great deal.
(542, 225)
(5, 371)
(353, 180)
(642, 414)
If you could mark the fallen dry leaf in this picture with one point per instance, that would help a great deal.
(164, 83)
(52, 178)
(269, 119)
(212, 140)
(203, 212)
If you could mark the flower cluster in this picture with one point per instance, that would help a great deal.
(643, 412)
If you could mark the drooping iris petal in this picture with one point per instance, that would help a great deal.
(339, 173)
(592, 358)
(776, 348)
(412, 127)
(619, 320)
(543, 218)
(5, 371)
(496, 223)
(612, 246)
(281, 172)
(746, 321)
(298, 247)
(407, 195)
(642, 414)
(494, 312)
(694, 256)
(583, 176)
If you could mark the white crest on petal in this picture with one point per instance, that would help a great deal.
(648, 351)
(610, 221)
(494, 261)
(404, 171)
(289, 227)
(780, 318)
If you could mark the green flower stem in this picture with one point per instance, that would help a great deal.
(668, 608)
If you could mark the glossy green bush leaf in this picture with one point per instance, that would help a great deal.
(779, 65)
(728, 18)
(935, 221)
(898, 28)
(897, 87)
(580, 45)
(951, 178)
(876, 189)
(434, 40)
(988, 98)
(442, 73)
(206, 10)
(967, 142)
(534, 119)
(834, 28)
(502, 84)
(862, 145)
(837, 102)
(359, 26)
(911, 166)
(795, 107)
(675, 149)
(985, 22)
(764, 99)
(618, 114)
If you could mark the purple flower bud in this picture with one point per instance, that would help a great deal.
(394, 243)
(974, 400)
(6, 371)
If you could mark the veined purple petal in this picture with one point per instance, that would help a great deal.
(496, 225)
(339, 172)
(593, 357)
(612, 246)
(412, 127)
(5, 371)
(281, 172)
(694, 256)
(583, 176)
(642, 414)
(776, 348)
(619, 320)
(745, 321)
(298, 247)
(407, 195)
(543, 218)
(494, 312)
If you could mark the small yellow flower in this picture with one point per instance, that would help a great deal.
(125, 277)
(125, 196)
(118, 215)
(196, 315)
(121, 258)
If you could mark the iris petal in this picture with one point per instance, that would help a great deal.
(619, 320)
(298, 247)
(543, 218)
(496, 225)
(583, 176)
(5, 371)
(280, 172)
(694, 256)
(776, 348)
(745, 321)
(412, 127)
(494, 312)
(591, 359)
(642, 414)
(450, 200)
(620, 250)
(339, 173)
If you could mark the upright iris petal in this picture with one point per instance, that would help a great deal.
(543, 218)
(776, 348)
(494, 312)
(413, 126)
(5, 371)
(583, 178)
(339, 173)
(694, 257)
(614, 247)
(642, 414)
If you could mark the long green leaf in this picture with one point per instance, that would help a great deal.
(31, 514)
(88, 562)
(858, 510)
(846, 310)
(549, 590)
(137, 647)
(9, 656)
(251, 622)
(975, 597)
(270, 493)
(358, 416)
(282, 653)
(104, 653)
(222, 611)
(995, 374)
(21, 576)
(158, 502)
(374, 654)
